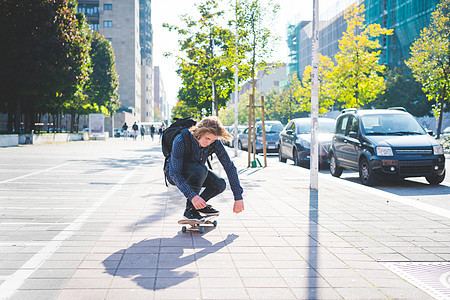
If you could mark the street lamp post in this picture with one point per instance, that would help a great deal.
(236, 91)
(314, 155)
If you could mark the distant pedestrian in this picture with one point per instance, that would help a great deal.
(160, 133)
(152, 131)
(142, 132)
(125, 130)
(161, 129)
(135, 130)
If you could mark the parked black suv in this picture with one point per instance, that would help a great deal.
(385, 142)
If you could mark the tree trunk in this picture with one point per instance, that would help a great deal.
(72, 121)
(77, 122)
(10, 119)
(17, 117)
(39, 120)
(32, 116)
(441, 116)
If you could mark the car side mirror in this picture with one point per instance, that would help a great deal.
(289, 132)
(353, 134)
(430, 132)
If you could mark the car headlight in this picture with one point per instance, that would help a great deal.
(438, 150)
(384, 151)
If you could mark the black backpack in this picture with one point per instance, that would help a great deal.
(181, 126)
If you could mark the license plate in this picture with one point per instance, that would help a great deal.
(271, 147)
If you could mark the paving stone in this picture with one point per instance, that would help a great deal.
(288, 244)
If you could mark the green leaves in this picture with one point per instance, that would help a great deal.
(45, 56)
(430, 58)
(103, 83)
(357, 77)
(207, 59)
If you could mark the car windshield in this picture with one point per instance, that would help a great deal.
(391, 124)
(325, 126)
(271, 128)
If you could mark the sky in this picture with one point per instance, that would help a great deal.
(168, 11)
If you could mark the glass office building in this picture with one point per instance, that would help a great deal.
(406, 17)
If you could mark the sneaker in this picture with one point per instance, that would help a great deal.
(192, 214)
(209, 211)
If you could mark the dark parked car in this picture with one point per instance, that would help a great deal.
(295, 141)
(381, 143)
(273, 129)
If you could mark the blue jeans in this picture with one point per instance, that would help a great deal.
(198, 176)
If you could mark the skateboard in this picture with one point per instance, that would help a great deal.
(198, 225)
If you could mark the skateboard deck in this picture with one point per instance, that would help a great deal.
(198, 225)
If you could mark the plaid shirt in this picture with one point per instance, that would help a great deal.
(200, 154)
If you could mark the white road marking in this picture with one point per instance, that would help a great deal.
(14, 281)
(35, 173)
(400, 199)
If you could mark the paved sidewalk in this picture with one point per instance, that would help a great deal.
(344, 242)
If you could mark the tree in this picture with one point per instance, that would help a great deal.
(357, 77)
(182, 110)
(43, 54)
(403, 90)
(430, 59)
(226, 113)
(326, 95)
(104, 82)
(254, 20)
(207, 64)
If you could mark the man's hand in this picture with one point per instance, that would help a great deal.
(198, 202)
(238, 206)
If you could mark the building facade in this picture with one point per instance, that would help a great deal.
(162, 110)
(127, 25)
(406, 18)
(146, 42)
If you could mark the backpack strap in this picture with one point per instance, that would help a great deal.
(187, 141)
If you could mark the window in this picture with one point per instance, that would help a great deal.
(107, 24)
(107, 6)
(290, 126)
(342, 125)
(94, 27)
(353, 125)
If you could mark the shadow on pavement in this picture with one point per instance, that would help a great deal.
(158, 263)
(313, 241)
(402, 187)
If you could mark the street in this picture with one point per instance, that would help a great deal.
(94, 220)
(414, 187)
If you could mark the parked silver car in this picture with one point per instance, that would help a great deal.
(273, 129)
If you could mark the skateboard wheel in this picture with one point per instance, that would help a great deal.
(202, 229)
(215, 223)
(184, 229)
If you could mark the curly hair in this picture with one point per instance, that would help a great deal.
(212, 125)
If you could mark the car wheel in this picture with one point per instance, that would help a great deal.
(435, 179)
(335, 170)
(295, 157)
(239, 145)
(366, 175)
(280, 156)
